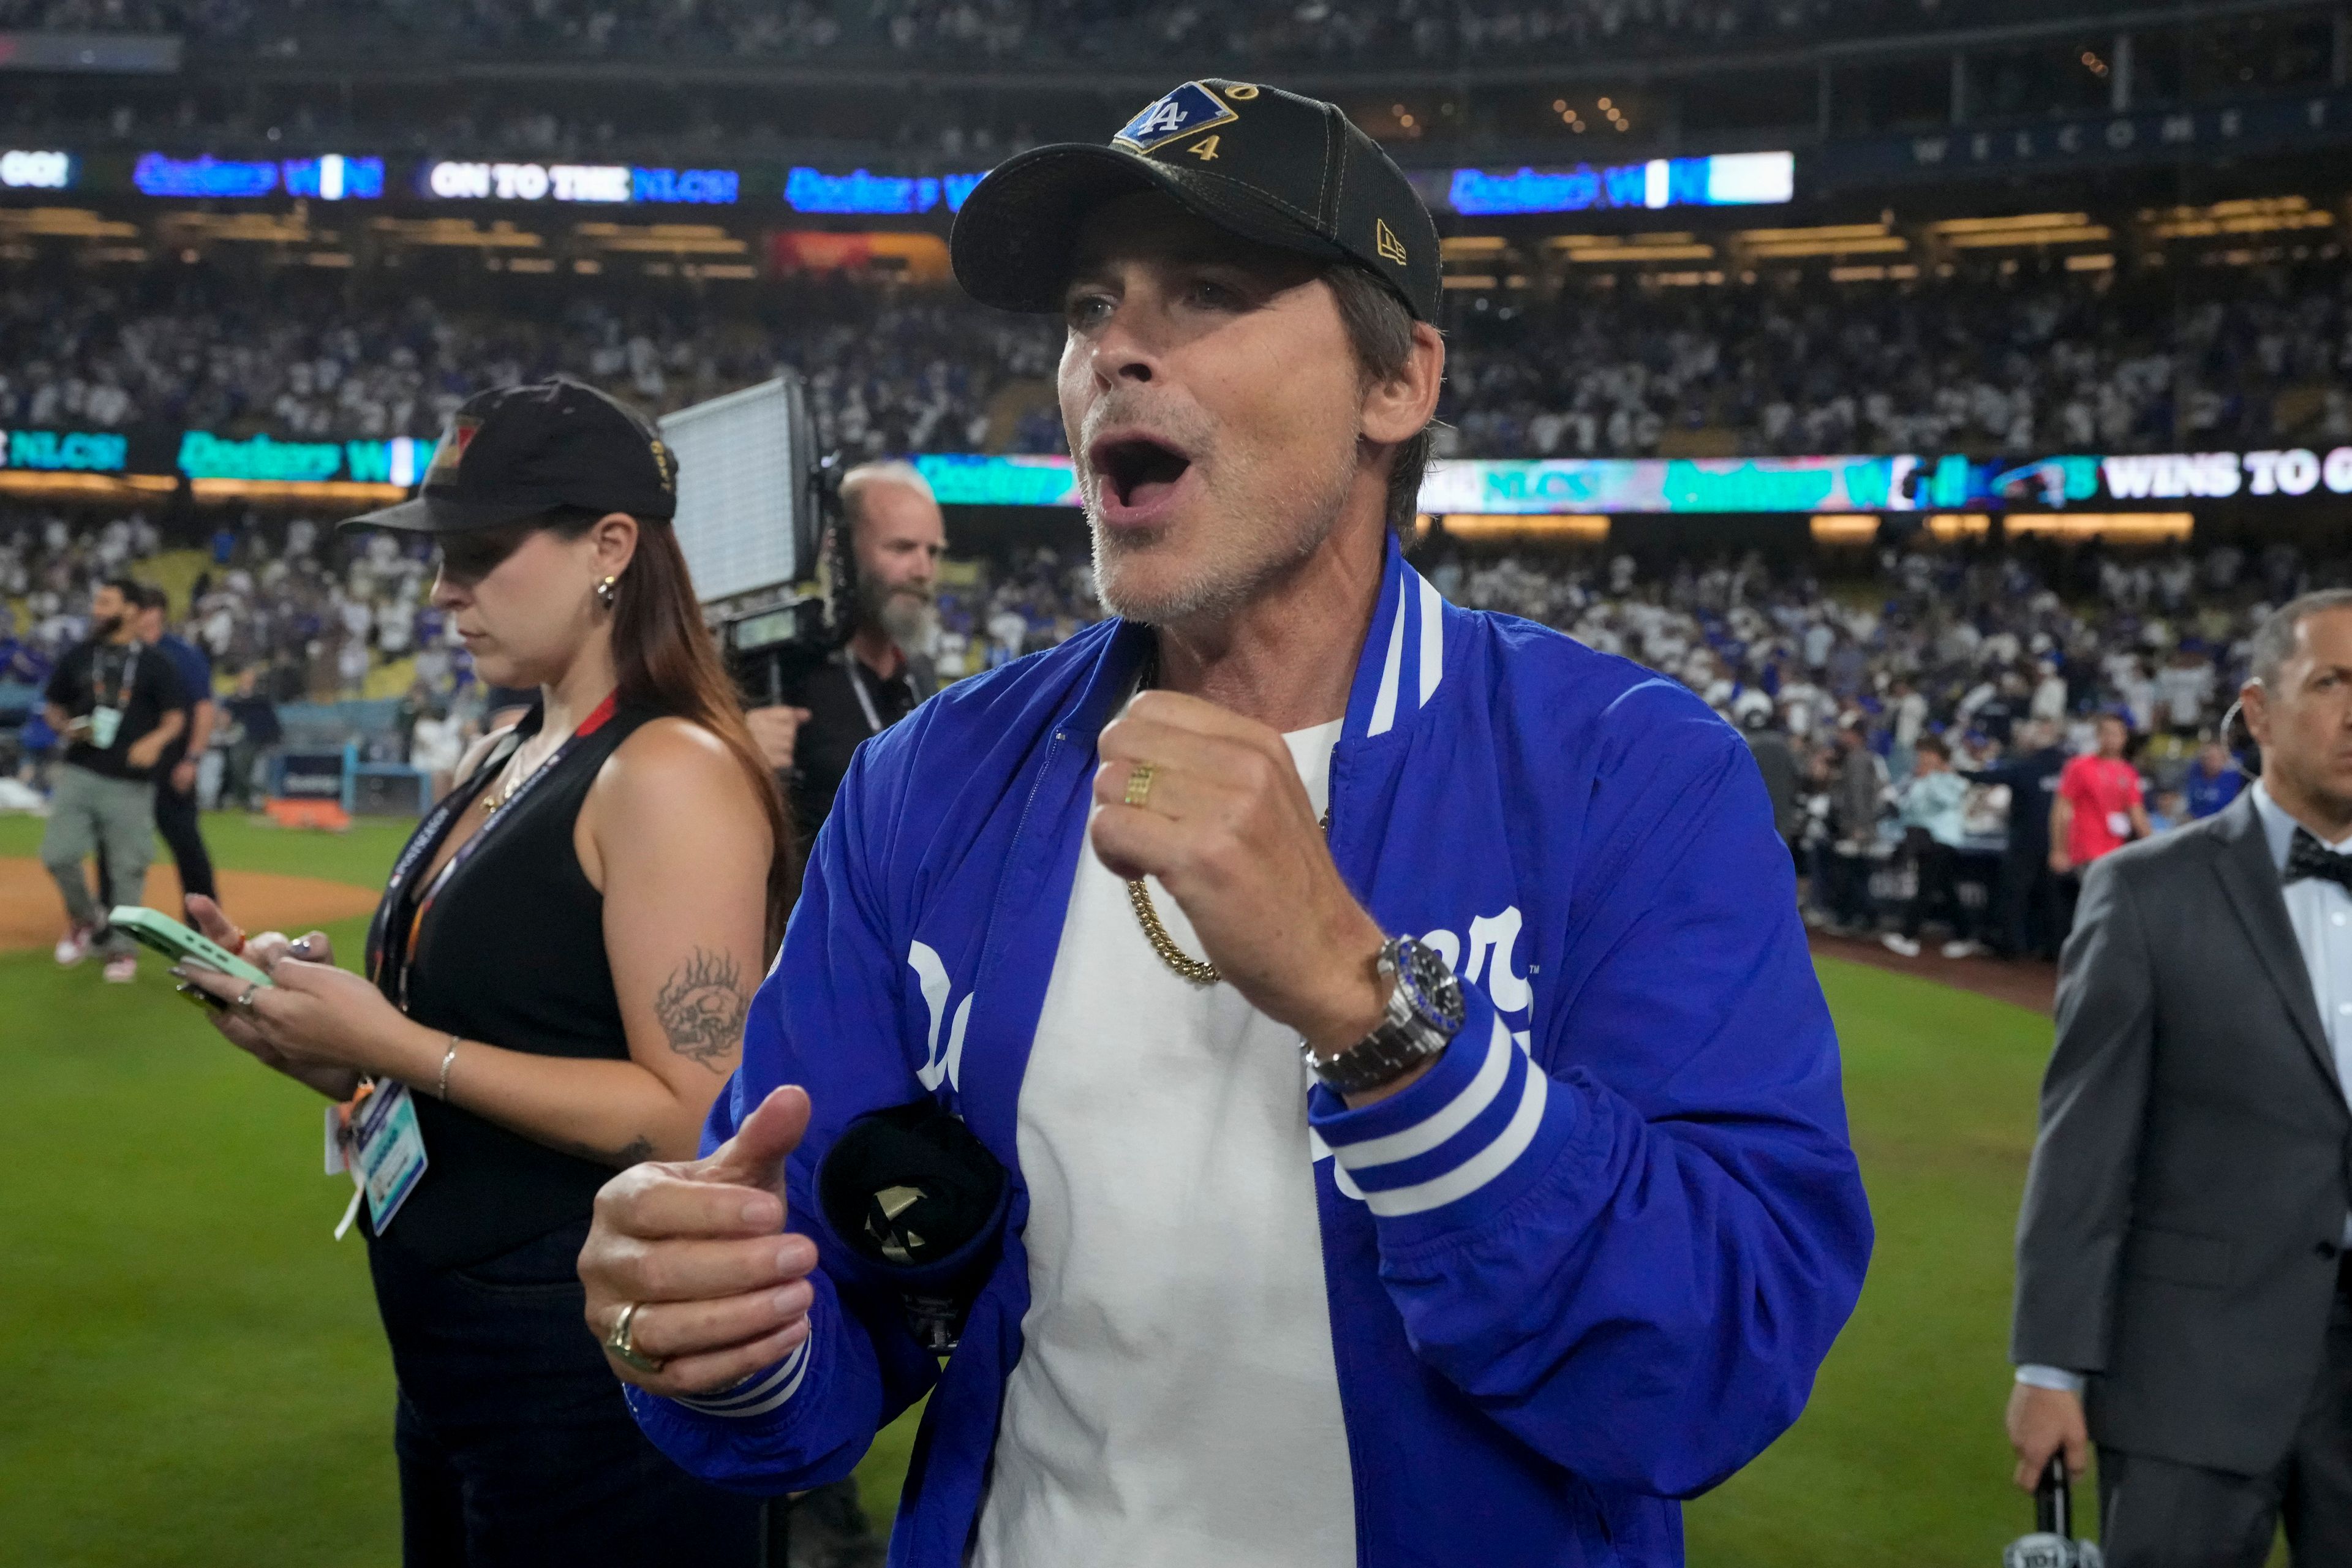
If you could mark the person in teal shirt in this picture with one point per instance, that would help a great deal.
(1930, 815)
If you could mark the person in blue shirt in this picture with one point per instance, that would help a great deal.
(2213, 780)
(1420, 1124)
(175, 777)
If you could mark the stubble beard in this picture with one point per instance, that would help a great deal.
(1255, 540)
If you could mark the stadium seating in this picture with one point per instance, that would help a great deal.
(1047, 29)
(2059, 361)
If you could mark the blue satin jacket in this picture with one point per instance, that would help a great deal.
(1585, 1267)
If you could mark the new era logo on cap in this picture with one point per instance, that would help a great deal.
(1385, 241)
(1189, 108)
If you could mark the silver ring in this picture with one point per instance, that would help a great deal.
(245, 1002)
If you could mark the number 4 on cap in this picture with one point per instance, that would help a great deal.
(1205, 149)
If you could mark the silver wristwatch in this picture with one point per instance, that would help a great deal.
(1424, 1014)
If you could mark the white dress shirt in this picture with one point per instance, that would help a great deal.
(2321, 913)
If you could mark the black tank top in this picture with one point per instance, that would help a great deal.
(510, 950)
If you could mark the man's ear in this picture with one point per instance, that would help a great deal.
(2256, 702)
(1399, 409)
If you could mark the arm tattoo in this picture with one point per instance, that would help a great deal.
(702, 1008)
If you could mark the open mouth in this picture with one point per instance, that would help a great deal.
(1137, 469)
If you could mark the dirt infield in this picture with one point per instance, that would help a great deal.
(32, 915)
(2027, 984)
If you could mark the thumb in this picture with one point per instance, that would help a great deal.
(754, 1157)
(208, 919)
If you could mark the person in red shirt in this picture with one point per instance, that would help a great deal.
(2098, 809)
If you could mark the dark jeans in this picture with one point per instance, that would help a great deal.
(1845, 890)
(515, 1446)
(2025, 903)
(1939, 889)
(2156, 1513)
(175, 819)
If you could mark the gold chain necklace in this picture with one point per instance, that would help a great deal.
(1199, 971)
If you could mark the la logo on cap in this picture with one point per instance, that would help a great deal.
(1189, 108)
(1385, 241)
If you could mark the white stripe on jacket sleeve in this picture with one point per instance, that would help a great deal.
(1460, 1154)
(1475, 1171)
(764, 1391)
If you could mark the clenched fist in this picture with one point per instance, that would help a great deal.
(1227, 827)
(699, 1246)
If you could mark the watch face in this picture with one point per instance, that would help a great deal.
(1429, 984)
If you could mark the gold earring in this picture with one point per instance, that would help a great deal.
(607, 591)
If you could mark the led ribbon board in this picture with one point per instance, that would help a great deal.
(1735, 179)
(330, 177)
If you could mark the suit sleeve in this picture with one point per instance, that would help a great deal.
(2078, 1190)
(826, 1018)
(1632, 1243)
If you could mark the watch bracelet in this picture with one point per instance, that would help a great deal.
(1391, 1050)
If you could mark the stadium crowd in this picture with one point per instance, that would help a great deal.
(1425, 30)
(2061, 364)
(1940, 658)
(912, 374)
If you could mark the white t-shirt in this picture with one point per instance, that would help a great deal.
(1176, 1401)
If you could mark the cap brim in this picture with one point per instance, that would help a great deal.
(438, 514)
(1013, 240)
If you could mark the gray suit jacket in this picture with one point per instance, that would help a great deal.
(2190, 1183)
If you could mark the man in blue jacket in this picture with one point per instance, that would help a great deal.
(1422, 1125)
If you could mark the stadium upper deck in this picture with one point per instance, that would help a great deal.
(939, 86)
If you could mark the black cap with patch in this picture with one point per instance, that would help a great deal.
(1258, 162)
(520, 452)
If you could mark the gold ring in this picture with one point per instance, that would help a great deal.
(623, 1343)
(1138, 784)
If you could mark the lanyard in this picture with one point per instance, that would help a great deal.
(394, 941)
(865, 700)
(853, 668)
(123, 688)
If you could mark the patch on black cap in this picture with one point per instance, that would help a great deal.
(1189, 108)
(1269, 165)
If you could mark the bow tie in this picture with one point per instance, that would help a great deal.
(2306, 856)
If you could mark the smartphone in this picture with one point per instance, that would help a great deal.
(151, 928)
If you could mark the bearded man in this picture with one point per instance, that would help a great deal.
(826, 711)
(1421, 1128)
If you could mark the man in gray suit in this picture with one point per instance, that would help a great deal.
(2181, 1256)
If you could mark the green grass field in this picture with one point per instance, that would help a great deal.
(195, 1374)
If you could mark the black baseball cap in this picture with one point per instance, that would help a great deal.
(1255, 161)
(520, 452)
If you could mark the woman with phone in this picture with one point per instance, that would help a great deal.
(556, 984)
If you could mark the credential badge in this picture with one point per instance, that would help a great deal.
(1187, 109)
